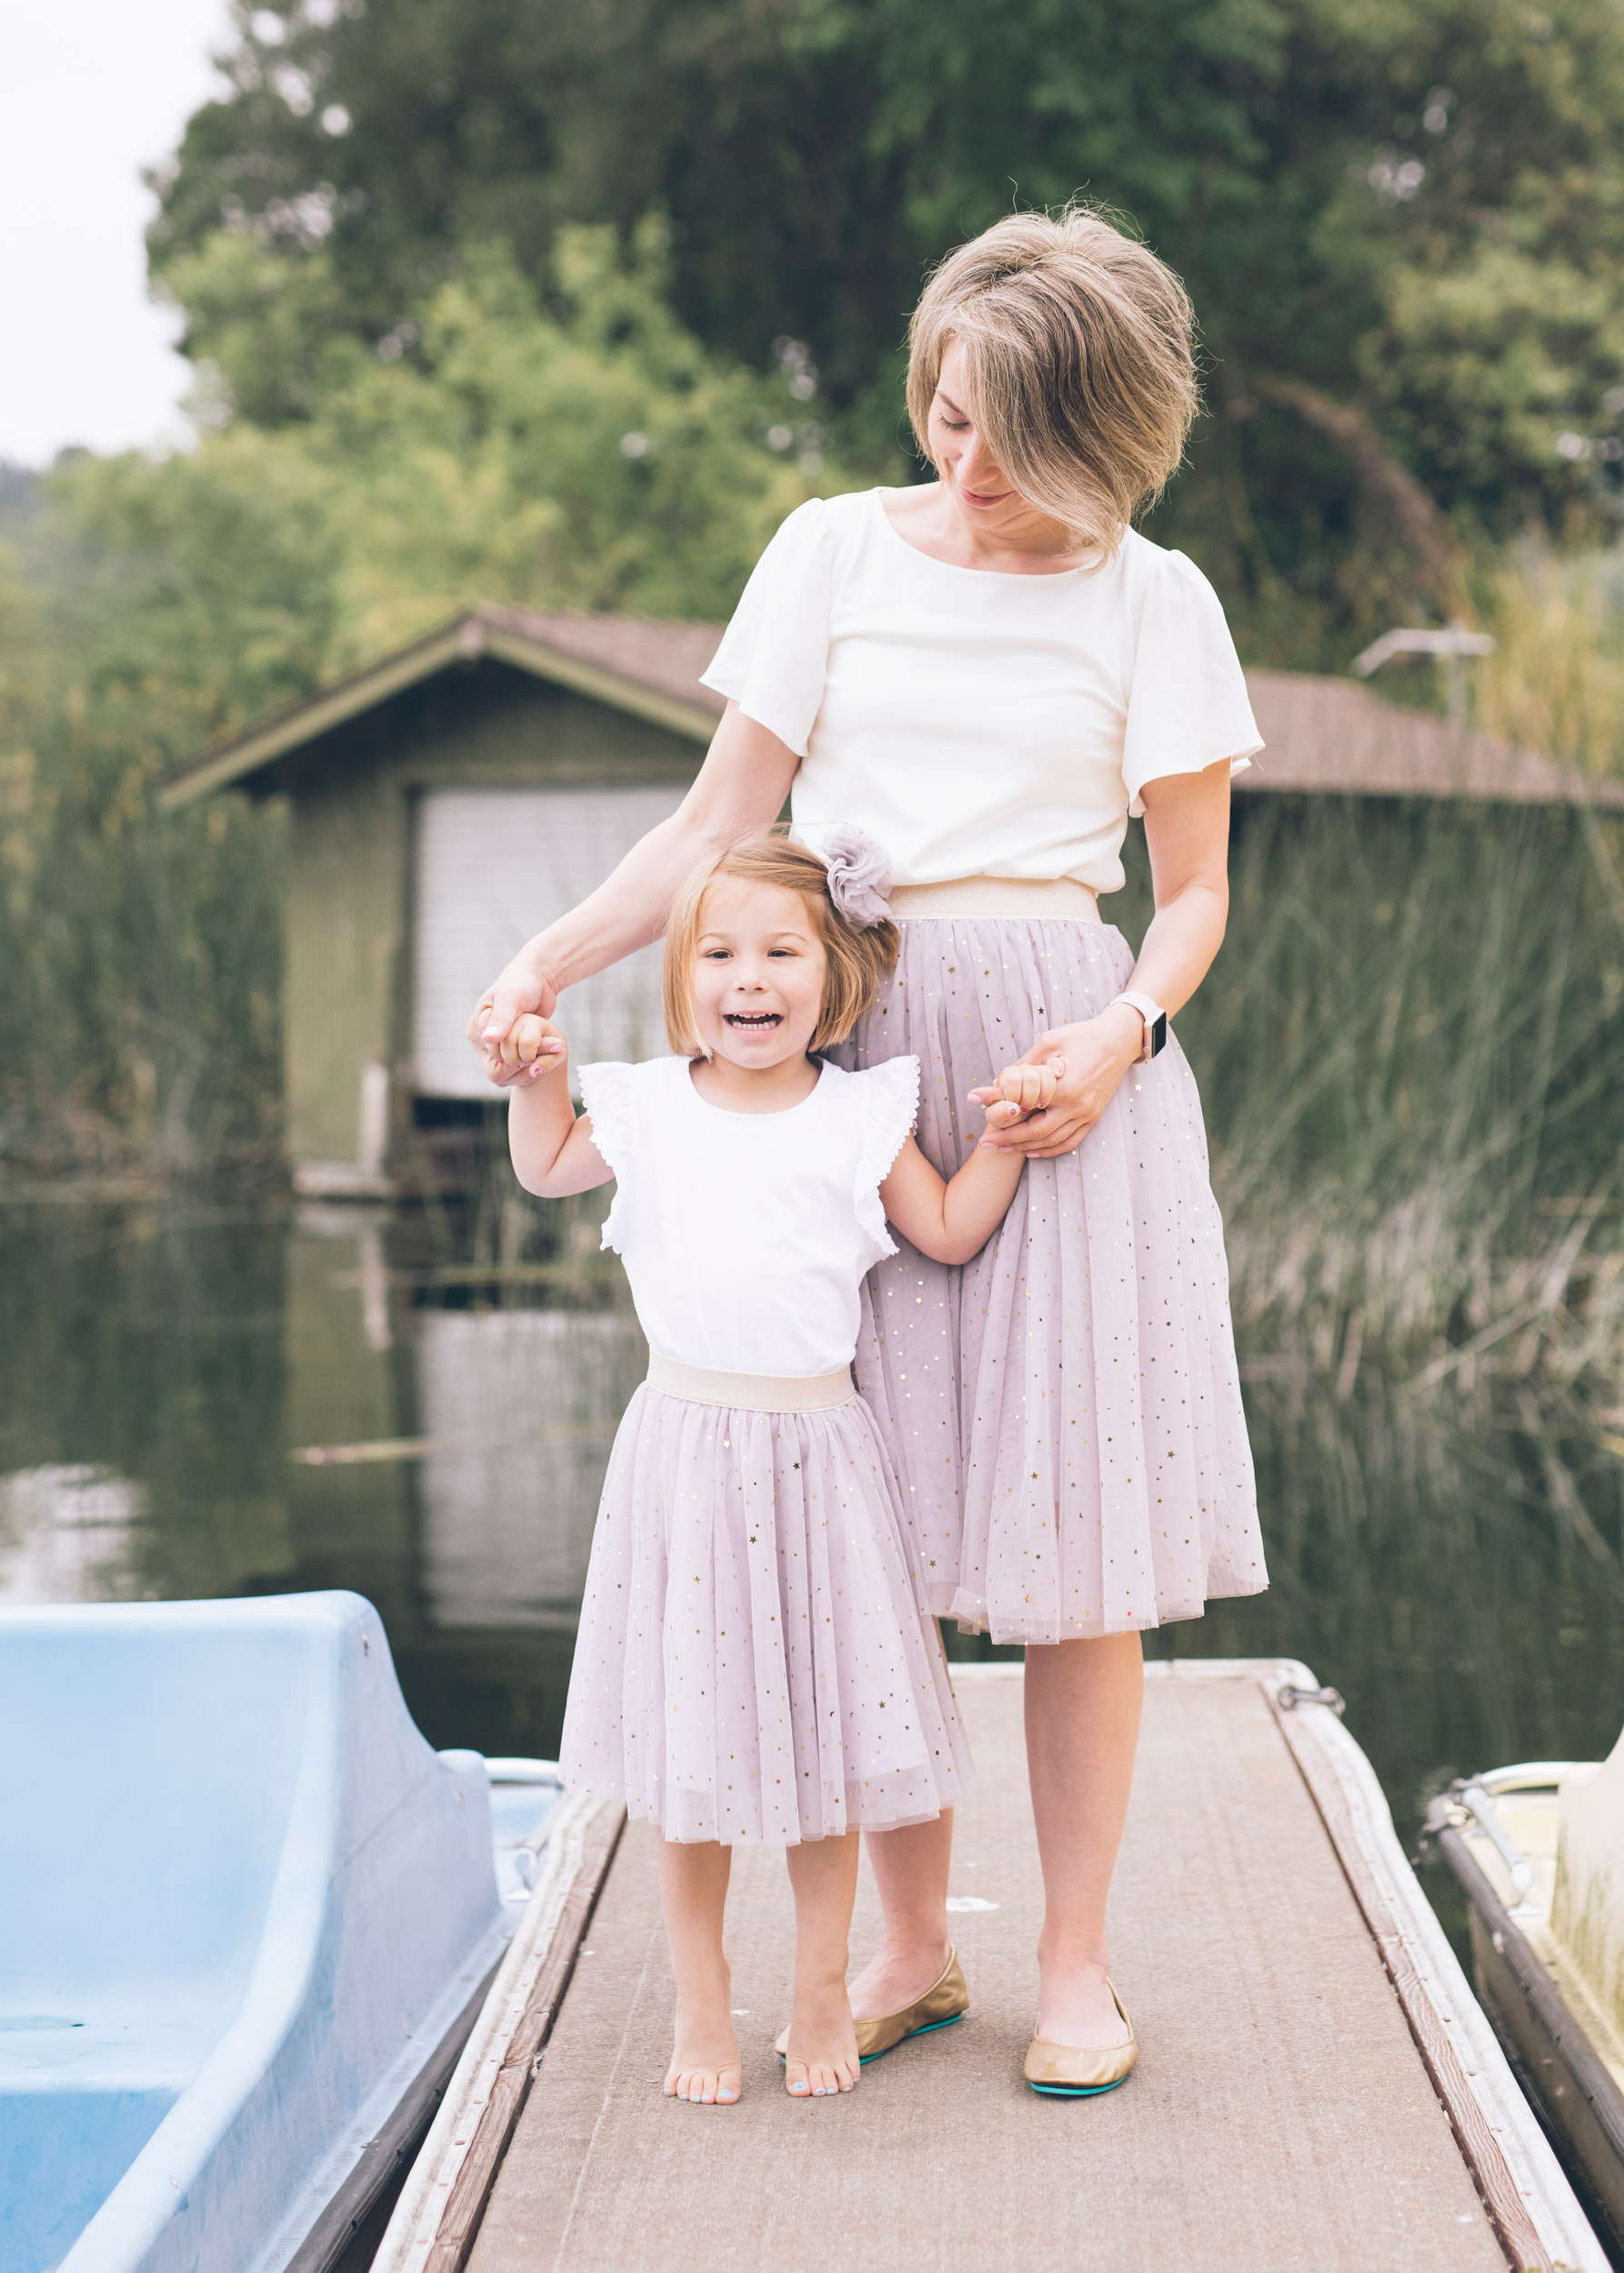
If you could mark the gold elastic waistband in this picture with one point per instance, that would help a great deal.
(1060, 899)
(751, 1392)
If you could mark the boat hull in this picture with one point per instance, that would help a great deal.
(1578, 2102)
(212, 2047)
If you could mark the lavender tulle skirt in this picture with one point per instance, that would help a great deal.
(751, 1664)
(1064, 1412)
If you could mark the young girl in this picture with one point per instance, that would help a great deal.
(751, 1664)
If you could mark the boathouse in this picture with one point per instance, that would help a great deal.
(449, 800)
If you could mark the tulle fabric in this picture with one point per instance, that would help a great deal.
(1065, 1411)
(750, 1664)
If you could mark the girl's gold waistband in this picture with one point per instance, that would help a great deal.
(1059, 899)
(751, 1392)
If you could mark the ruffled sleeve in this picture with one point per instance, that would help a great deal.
(890, 1102)
(774, 655)
(1187, 705)
(609, 1094)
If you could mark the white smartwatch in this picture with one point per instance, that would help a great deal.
(1155, 1024)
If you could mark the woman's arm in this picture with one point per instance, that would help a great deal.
(740, 789)
(1186, 834)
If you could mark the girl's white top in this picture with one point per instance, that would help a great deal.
(976, 723)
(745, 1236)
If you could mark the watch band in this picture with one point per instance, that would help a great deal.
(1156, 1024)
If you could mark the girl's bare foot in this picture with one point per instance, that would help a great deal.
(704, 2069)
(705, 2066)
(823, 2044)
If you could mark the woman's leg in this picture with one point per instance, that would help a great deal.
(1082, 1705)
(823, 2045)
(910, 1869)
(693, 1895)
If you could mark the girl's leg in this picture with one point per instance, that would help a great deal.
(823, 2044)
(910, 1869)
(1082, 1708)
(693, 1893)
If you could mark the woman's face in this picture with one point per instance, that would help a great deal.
(972, 476)
(963, 459)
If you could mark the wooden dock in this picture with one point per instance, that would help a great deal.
(1317, 2087)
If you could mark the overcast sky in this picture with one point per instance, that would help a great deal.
(91, 91)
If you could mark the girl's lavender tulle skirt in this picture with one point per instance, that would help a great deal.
(1064, 1412)
(751, 1664)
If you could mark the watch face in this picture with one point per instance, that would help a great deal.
(1159, 1035)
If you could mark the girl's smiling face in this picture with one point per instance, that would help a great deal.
(760, 977)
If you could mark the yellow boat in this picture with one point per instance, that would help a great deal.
(1538, 1850)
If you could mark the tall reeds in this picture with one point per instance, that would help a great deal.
(1412, 1054)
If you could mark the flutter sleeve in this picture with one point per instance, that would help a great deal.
(1187, 705)
(774, 655)
(609, 1092)
(890, 1101)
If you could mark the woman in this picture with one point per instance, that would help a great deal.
(988, 674)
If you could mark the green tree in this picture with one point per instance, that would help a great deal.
(1402, 220)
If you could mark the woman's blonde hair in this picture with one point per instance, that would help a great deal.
(1080, 363)
(856, 958)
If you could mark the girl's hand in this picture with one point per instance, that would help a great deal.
(538, 1048)
(1018, 1090)
(1088, 1059)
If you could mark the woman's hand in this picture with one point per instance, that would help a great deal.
(1092, 1058)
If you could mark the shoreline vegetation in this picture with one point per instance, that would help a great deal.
(1411, 1051)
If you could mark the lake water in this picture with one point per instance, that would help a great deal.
(221, 1400)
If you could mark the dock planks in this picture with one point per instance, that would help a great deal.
(1281, 2115)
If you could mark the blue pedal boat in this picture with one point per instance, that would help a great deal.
(247, 1918)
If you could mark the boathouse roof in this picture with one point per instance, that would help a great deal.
(1326, 735)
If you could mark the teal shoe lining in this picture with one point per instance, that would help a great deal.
(867, 2058)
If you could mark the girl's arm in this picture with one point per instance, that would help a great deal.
(553, 1152)
(739, 790)
(952, 1222)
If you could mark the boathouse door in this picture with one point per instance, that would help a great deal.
(494, 866)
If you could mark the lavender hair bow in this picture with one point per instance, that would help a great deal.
(859, 875)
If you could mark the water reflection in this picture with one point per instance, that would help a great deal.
(507, 1524)
(223, 1401)
(66, 1534)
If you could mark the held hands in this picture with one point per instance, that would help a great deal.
(1017, 1091)
(521, 992)
(532, 1046)
(1084, 1064)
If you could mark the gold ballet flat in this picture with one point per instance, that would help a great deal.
(1071, 2071)
(946, 1999)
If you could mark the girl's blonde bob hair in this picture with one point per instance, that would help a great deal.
(857, 959)
(1079, 365)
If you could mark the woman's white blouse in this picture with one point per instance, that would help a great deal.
(974, 723)
(745, 1236)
